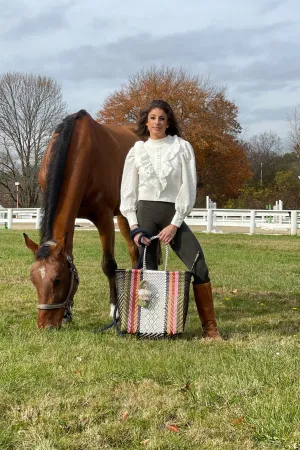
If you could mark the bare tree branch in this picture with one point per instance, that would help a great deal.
(294, 132)
(263, 153)
(30, 108)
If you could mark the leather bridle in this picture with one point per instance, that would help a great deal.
(68, 303)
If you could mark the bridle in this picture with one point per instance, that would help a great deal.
(68, 303)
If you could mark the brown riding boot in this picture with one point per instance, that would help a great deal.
(205, 307)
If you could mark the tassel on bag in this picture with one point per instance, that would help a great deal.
(144, 294)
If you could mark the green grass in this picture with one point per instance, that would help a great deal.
(69, 389)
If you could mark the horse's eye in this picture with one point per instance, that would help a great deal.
(57, 281)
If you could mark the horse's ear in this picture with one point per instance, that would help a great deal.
(30, 244)
(59, 247)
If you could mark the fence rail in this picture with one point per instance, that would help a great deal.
(251, 220)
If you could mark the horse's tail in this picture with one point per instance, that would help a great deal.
(55, 172)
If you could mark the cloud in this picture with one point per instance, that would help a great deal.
(237, 55)
(270, 6)
(276, 71)
(206, 45)
(274, 67)
(271, 114)
(92, 55)
(10, 9)
(43, 23)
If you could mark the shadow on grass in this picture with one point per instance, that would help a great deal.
(239, 316)
(258, 313)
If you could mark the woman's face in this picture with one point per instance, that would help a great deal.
(157, 123)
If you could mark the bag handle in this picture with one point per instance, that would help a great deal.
(144, 268)
(145, 252)
(195, 260)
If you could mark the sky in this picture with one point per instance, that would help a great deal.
(91, 48)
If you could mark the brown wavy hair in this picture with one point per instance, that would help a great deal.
(173, 127)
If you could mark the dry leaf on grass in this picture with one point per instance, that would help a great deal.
(172, 428)
(145, 442)
(238, 420)
(235, 291)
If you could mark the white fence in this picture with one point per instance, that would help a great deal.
(211, 219)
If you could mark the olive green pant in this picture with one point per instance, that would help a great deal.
(153, 217)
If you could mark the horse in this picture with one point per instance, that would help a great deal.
(80, 176)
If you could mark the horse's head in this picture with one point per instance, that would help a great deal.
(55, 277)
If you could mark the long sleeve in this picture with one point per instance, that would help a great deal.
(186, 197)
(129, 189)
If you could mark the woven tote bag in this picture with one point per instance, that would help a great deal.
(164, 312)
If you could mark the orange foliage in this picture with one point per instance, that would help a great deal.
(208, 120)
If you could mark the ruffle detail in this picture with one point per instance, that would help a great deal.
(167, 166)
(152, 178)
(159, 183)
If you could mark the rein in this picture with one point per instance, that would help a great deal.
(67, 304)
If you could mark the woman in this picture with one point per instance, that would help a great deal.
(158, 191)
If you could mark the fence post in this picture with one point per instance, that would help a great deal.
(207, 202)
(209, 224)
(293, 223)
(9, 218)
(280, 207)
(38, 219)
(252, 221)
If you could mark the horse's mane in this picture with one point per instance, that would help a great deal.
(54, 178)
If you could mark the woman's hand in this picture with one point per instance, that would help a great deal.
(144, 240)
(167, 234)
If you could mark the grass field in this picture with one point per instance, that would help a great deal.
(76, 390)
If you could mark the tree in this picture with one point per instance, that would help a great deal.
(280, 181)
(30, 107)
(287, 187)
(294, 132)
(263, 152)
(253, 198)
(207, 119)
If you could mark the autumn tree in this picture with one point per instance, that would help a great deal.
(275, 175)
(207, 119)
(30, 107)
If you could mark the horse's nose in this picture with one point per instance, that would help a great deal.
(50, 319)
(49, 326)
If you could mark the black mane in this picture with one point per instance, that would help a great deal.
(42, 253)
(54, 178)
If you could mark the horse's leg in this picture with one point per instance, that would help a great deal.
(132, 248)
(106, 228)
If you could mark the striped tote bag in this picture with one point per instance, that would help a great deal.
(153, 303)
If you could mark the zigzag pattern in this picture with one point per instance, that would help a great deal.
(173, 303)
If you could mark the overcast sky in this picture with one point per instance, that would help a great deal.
(92, 47)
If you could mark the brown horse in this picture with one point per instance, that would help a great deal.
(81, 176)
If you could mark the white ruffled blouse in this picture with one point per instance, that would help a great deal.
(161, 170)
